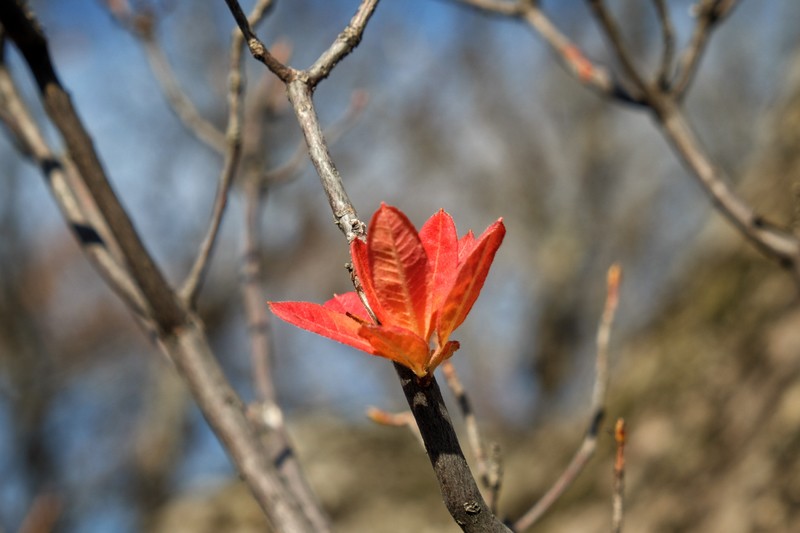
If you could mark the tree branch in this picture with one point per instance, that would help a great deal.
(709, 14)
(178, 101)
(614, 35)
(343, 211)
(191, 286)
(291, 167)
(595, 76)
(775, 242)
(27, 35)
(458, 487)
(189, 350)
(489, 467)
(618, 500)
(664, 74)
(178, 332)
(344, 44)
(597, 410)
(256, 47)
(461, 495)
(266, 413)
(92, 235)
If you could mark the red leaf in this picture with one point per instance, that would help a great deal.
(465, 245)
(443, 354)
(322, 321)
(399, 345)
(399, 269)
(469, 280)
(348, 302)
(360, 256)
(439, 238)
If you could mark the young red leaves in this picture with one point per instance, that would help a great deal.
(416, 284)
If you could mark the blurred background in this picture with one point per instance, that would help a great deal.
(470, 113)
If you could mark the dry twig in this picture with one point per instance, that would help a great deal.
(668, 37)
(176, 329)
(488, 464)
(709, 14)
(619, 477)
(589, 444)
(403, 419)
(775, 242)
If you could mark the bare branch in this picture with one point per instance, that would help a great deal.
(458, 487)
(614, 36)
(26, 34)
(709, 14)
(589, 444)
(191, 286)
(178, 332)
(257, 48)
(404, 419)
(668, 36)
(773, 241)
(780, 244)
(178, 101)
(512, 8)
(461, 495)
(267, 414)
(225, 413)
(593, 75)
(344, 44)
(290, 168)
(93, 236)
(343, 211)
(489, 469)
(619, 478)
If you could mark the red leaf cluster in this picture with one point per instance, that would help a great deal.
(420, 286)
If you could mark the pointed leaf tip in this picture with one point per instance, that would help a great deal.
(398, 265)
(472, 272)
(440, 241)
(322, 321)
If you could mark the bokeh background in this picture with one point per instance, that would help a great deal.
(467, 112)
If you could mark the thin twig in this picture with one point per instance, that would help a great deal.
(619, 478)
(775, 242)
(266, 413)
(142, 26)
(614, 36)
(509, 8)
(709, 14)
(589, 444)
(403, 419)
(291, 168)
(257, 48)
(29, 38)
(489, 469)
(343, 211)
(344, 43)
(178, 332)
(257, 317)
(458, 487)
(178, 101)
(668, 37)
(194, 280)
(593, 75)
(225, 413)
(92, 235)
